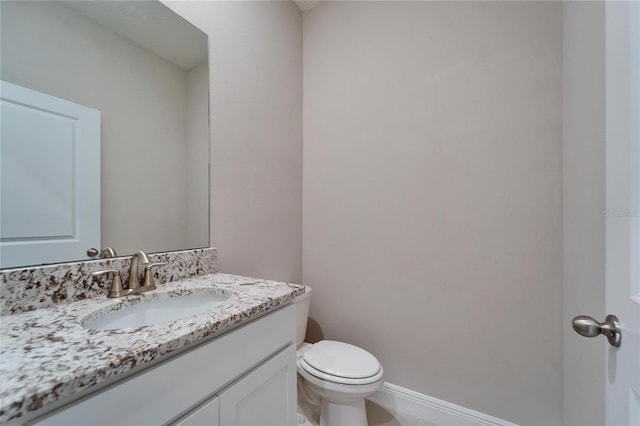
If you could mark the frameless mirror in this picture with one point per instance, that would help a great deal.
(142, 72)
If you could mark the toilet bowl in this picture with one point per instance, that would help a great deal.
(335, 375)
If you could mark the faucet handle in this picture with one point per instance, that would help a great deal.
(116, 289)
(105, 253)
(148, 283)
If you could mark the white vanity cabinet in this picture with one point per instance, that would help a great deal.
(246, 376)
(263, 397)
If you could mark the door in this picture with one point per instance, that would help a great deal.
(207, 414)
(622, 193)
(49, 178)
(266, 396)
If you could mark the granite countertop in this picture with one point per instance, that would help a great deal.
(47, 355)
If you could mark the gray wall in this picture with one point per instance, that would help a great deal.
(432, 186)
(256, 133)
(584, 205)
(433, 195)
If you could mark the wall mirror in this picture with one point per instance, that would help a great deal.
(143, 71)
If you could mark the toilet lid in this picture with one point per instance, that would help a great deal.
(341, 360)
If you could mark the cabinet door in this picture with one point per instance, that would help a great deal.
(266, 396)
(206, 415)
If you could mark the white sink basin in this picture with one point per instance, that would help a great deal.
(156, 311)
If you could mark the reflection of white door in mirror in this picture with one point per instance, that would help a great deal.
(49, 178)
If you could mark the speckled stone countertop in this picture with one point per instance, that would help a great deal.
(46, 354)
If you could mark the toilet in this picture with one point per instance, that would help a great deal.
(336, 376)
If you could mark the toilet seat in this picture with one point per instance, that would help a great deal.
(340, 362)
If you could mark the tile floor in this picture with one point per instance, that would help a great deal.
(378, 415)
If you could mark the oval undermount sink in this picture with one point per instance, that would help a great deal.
(157, 311)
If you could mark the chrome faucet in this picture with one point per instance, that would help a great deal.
(137, 258)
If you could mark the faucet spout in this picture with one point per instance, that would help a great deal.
(137, 258)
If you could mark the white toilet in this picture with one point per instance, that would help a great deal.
(337, 375)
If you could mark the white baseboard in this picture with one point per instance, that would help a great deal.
(432, 409)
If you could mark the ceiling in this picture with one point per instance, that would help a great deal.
(151, 25)
(307, 4)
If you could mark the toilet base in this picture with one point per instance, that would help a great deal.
(343, 414)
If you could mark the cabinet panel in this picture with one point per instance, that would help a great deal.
(266, 396)
(208, 414)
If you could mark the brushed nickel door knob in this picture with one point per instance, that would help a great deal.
(589, 327)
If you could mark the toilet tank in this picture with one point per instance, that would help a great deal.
(302, 303)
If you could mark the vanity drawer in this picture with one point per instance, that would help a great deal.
(168, 390)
